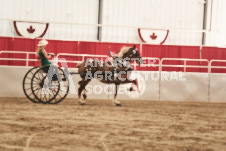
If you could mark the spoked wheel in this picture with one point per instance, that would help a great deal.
(51, 88)
(27, 85)
(63, 87)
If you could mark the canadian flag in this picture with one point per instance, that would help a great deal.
(30, 29)
(153, 36)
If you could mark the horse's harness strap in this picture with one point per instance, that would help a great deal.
(123, 63)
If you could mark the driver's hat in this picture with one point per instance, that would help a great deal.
(43, 42)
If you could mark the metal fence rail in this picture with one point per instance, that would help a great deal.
(149, 62)
(26, 59)
(185, 60)
(210, 71)
(60, 55)
(152, 63)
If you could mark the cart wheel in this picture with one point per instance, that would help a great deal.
(27, 85)
(51, 90)
(63, 87)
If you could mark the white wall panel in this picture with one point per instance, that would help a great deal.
(160, 14)
(217, 87)
(217, 36)
(77, 11)
(195, 88)
(176, 14)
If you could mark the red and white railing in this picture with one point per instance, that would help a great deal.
(26, 58)
(148, 61)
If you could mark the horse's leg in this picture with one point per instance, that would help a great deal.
(82, 84)
(84, 94)
(135, 82)
(115, 102)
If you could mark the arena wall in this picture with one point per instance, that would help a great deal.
(79, 19)
(174, 86)
(102, 48)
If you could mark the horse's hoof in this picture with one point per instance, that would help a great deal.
(118, 104)
(82, 103)
(84, 96)
(131, 89)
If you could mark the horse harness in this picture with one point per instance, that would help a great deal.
(118, 61)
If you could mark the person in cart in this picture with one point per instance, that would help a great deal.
(46, 65)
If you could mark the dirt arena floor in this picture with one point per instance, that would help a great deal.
(99, 126)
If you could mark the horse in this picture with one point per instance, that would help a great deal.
(112, 72)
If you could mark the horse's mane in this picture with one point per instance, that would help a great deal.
(122, 51)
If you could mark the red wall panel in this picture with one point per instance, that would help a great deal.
(211, 53)
(102, 48)
(163, 51)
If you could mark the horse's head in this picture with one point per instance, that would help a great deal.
(132, 53)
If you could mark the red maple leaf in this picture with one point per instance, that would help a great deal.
(30, 30)
(153, 36)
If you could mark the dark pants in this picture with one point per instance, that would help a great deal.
(51, 71)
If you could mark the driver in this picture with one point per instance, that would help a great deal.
(44, 58)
